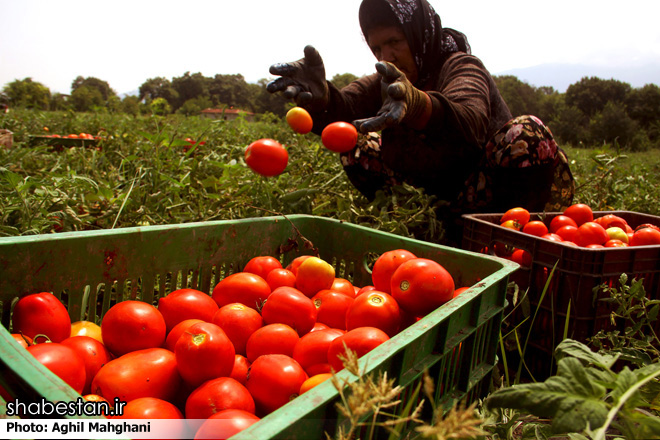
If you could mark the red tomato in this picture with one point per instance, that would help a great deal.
(552, 237)
(339, 137)
(610, 220)
(151, 408)
(365, 289)
(92, 352)
(41, 314)
(314, 274)
(216, 395)
(262, 265)
(132, 325)
(63, 361)
(580, 212)
(568, 233)
(319, 326)
(615, 243)
(512, 224)
(646, 225)
(522, 257)
(313, 381)
(273, 380)
(299, 120)
(519, 215)
(645, 237)
(288, 305)
(266, 157)
(23, 341)
(240, 369)
(204, 352)
(177, 331)
(271, 339)
(421, 285)
(151, 372)
(295, 264)
(536, 228)
(594, 246)
(238, 322)
(344, 286)
(185, 304)
(241, 287)
(375, 309)
(461, 290)
(591, 233)
(311, 351)
(360, 340)
(225, 424)
(385, 265)
(331, 307)
(280, 277)
(559, 221)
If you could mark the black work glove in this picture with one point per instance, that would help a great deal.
(302, 81)
(402, 102)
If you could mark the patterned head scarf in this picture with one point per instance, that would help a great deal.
(429, 42)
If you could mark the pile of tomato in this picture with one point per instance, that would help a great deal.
(259, 339)
(576, 226)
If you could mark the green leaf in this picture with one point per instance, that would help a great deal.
(570, 398)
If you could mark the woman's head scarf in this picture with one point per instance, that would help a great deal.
(429, 42)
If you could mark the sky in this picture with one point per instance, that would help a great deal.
(127, 42)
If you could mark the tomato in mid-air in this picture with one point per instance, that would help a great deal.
(241, 287)
(183, 304)
(579, 212)
(375, 309)
(271, 339)
(216, 395)
(519, 215)
(299, 120)
(132, 325)
(204, 352)
(339, 137)
(92, 352)
(288, 305)
(266, 157)
(311, 351)
(63, 361)
(360, 340)
(41, 314)
(591, 233)
(262, 265)
(314, 274)
(385, 265)
(238, 322)
(151, 372)
(273, 380)
(421, 285)
(225, 424)
(331, 307)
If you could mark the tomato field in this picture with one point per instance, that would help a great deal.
(174, 170)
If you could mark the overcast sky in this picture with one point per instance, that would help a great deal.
(127, 42)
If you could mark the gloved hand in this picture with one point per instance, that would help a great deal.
(302, 81)
(402, 102)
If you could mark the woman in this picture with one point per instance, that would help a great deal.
(444, 125)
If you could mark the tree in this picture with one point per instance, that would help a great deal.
(160, 106)
(521, 98)
(158, 87)
(612, 125)
(188, 87)
(130, 105)
(93, 83)
(230, 90)
(84, 99)
(342, 80)
(27, 93)
(266, 102)
(590, 95)
(643, 105)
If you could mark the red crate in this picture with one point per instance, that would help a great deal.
(578, 274)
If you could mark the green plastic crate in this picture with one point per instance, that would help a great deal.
(92, 270)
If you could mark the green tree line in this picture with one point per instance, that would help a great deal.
(591, 112)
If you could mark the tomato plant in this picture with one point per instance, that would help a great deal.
(288, 305)
(241, 287)
(274, 380)
(132, 325)
(183, 304)
(204, 352)
(63, 361)
(339, 137)
(374, 309)
(385, 265)
(239, 322)
(299, 120)
(266, 157)
(217, 395)
(421, 285)
(41, 314)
